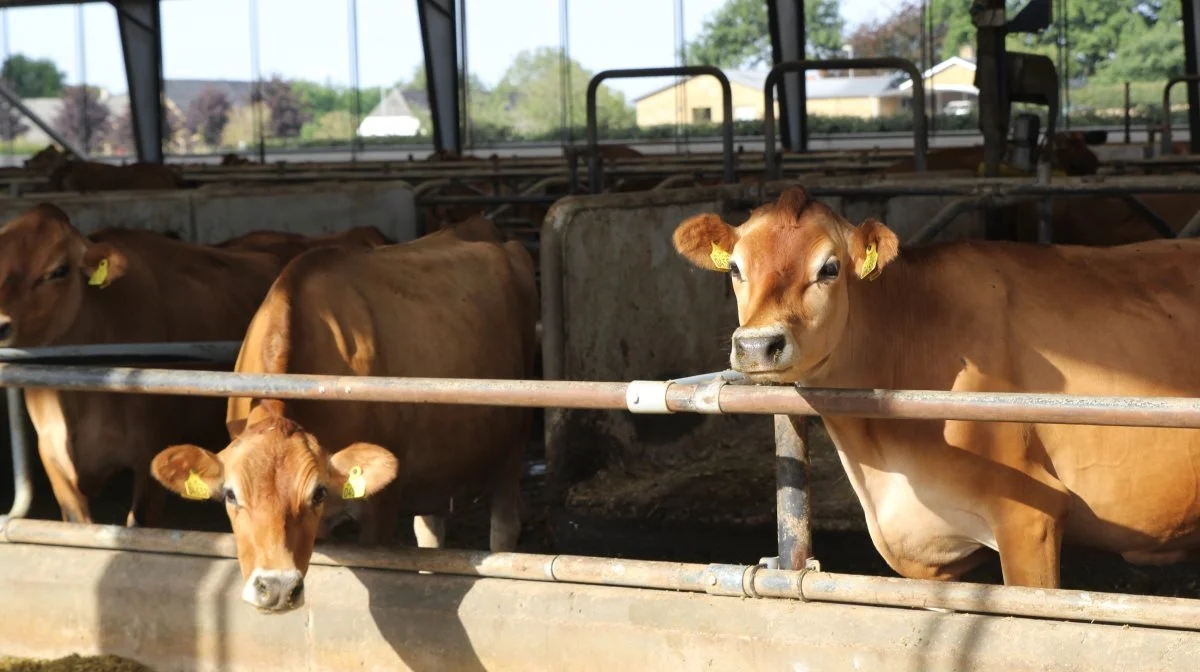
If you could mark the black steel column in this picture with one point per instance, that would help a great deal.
(141, 44)
(439, 39)
(786, 20)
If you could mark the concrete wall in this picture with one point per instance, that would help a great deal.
(214, 214)
(183, 613)
(626, 306)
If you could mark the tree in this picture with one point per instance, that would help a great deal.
(319, 99)
(12, 122)
(242, 129)
(288, 116)
(738, 34)
(208, 114)
(530, 95)
(31, 78)
(121, 134)
(83, 118)
(899, 34)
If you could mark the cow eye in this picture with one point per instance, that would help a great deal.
(59, 272)
(830, 270)
(230, 498)
(734, 271)
(318, 496)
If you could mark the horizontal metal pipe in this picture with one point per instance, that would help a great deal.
(732, 580)
(223, 352)
(753, 399)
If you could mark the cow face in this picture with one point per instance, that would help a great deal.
(46, 269)
(791, 264)
(274, 479)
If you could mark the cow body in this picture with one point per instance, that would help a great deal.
(1071, 156)
(452, 305)
(87, 176)
(154, 289)
(979, 317)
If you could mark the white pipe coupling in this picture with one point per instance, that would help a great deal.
(647, 396)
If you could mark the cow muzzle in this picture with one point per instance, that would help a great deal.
(7, 331)
(274, 590)
(767, 349)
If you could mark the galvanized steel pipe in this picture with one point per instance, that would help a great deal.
(751, 399)
(743, 581)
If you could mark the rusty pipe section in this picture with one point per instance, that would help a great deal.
(742, 581)
(715, 396)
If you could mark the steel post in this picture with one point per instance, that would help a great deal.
(792, 472)
(141, 44)
(22, 483)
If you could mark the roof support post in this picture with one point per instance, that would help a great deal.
(141, 44)
(786, 22)
(439, 38)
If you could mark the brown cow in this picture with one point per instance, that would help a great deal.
(87, 176)
(442, 306)
(285, 246)
(823, 303)
(58, 287)
(232, 159)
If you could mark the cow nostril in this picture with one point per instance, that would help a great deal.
(776, 347)
(261, 588)
(5, 330)
(297, 592)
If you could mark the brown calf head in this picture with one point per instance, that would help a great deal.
(46, 269)
(274, 479)
(791, 265)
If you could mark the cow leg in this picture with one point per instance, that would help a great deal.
(506, 506)
(1030, 551)
(64, 481)
(430, 531)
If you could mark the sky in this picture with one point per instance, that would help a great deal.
(311, 39)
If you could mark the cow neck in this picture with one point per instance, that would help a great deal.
(889, 340)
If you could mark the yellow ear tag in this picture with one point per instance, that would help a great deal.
(98, 278)
(356, 485)
(869, 262)
(195, 487)
(720, 258)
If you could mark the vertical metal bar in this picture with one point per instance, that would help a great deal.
(439, 41)
(22, 484)
(1128, 114)
(786, 23)
(141, 45)
(468, 136)
(354, 80)
(81, 63)
(792, 491)
(1191, 57)
(256, 66)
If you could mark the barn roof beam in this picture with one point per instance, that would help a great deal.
(440, 40)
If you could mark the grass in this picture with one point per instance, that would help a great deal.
(73, 663)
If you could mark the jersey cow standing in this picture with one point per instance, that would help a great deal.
(977, 317)
(453, 304)
(58, 287)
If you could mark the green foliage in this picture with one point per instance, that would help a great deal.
(529, 96)
(32, 78)
(320, 99)
(738, 34)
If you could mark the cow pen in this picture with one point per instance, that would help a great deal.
(607, 595)
(169, 597)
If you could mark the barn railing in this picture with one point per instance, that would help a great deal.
(791, 575)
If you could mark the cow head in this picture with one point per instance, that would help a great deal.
(46, 160)
(46, 269)
(274, 479)
(792, 264)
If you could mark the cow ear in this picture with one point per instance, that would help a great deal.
(361, 470)
(103, 264)
(706, 241)
(189, 471)
(872, 246)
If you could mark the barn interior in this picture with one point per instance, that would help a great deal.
(596, 211)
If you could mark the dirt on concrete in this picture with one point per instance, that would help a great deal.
(74, 663)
